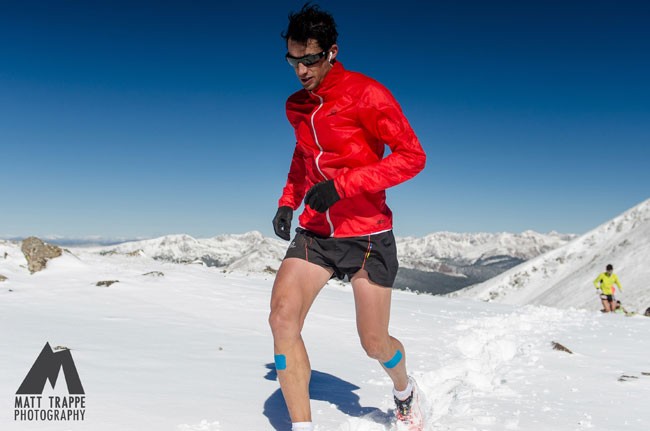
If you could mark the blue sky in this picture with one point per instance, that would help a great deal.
(139, 119)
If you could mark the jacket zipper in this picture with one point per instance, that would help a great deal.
(313, 128)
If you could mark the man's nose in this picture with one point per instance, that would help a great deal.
(301, 69)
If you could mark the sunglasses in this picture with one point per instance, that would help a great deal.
(307, 60)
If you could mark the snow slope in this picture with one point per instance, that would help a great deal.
(190, 350)
(563, 277)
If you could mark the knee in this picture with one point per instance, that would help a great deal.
(375, 347)
(284, 322)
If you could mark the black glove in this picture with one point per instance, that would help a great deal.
(282, 222)
(322, 196)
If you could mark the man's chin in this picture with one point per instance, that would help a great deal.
(309, 85)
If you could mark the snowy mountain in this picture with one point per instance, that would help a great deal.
(563, 277)
(187, 348)
(249, 252)
(445, 262)
(436, 263)
(443, 251)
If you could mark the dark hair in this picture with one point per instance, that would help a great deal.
(609, 267)
(311, 23)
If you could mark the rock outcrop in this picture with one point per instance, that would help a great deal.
(38, 253)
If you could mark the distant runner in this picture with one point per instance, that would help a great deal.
(605, 283)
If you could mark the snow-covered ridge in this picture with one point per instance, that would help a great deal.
(563, 277)
(252, 252)
(432, 252)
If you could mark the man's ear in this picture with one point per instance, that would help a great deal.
(334, 50)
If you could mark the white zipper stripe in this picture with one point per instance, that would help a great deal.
(329, 220)
(313, 128)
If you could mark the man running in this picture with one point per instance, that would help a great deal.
(605, 283)
(343, 120)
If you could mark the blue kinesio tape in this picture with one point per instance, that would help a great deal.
(394, 360)
(280, 362)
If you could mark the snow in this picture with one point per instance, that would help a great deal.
(191, 350)
(564, 277)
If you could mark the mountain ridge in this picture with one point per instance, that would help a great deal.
(437, 263)
(564, 277)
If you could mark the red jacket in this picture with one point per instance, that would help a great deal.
(342, 128)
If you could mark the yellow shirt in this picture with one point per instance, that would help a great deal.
(605, 282)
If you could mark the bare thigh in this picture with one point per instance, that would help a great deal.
(372, 304)
(296, 286)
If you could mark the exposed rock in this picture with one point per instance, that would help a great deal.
(38, 253)
(155, 274)
(558, 346)
(106, 283)
(113, 252)
(2, 278)
(270, 270)
(626, 378)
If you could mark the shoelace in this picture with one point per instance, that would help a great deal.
(403, 407)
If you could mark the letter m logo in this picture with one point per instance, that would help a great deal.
(47, 367)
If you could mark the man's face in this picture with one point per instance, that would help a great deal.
(310, 76)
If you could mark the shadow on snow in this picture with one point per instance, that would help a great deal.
(322, 387)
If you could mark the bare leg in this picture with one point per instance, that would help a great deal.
(372, 303)
(605, 305)
(612, 305)
(296, 286)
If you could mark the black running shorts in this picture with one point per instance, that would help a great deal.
(376, 253)
(607, 297)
